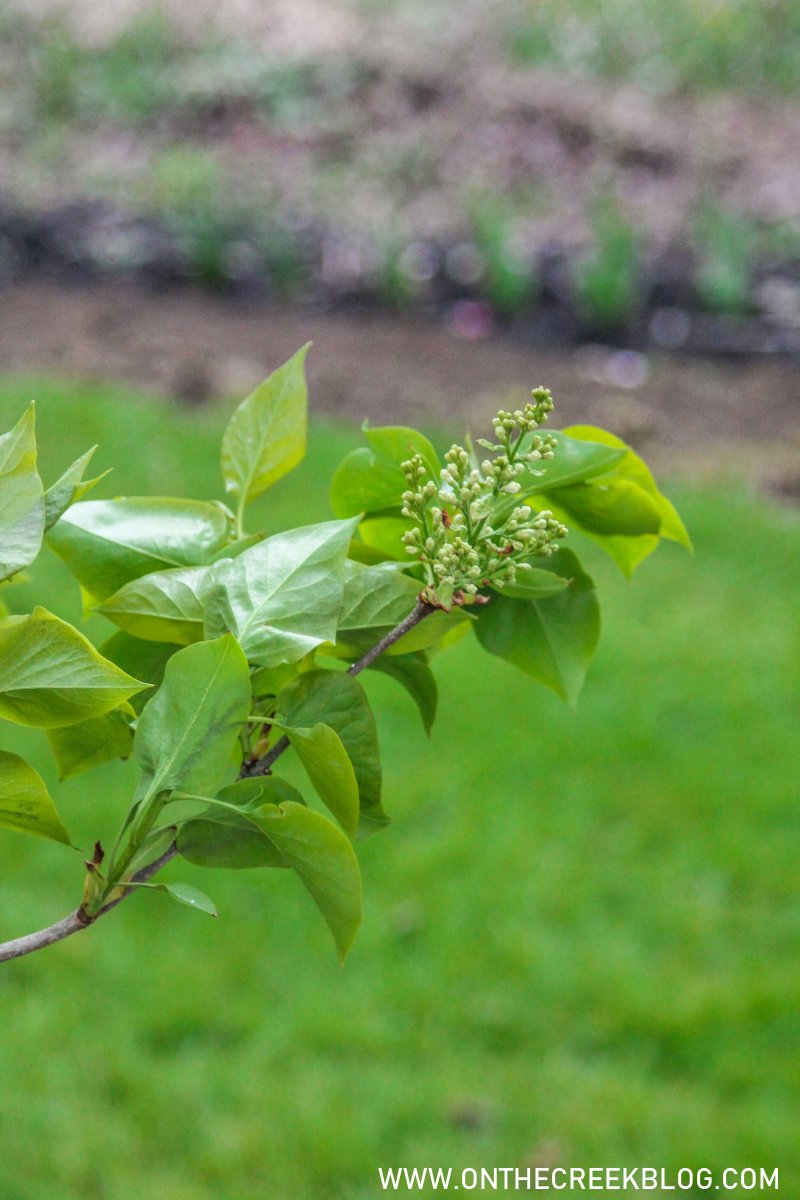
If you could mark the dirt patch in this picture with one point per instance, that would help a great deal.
(197, 347)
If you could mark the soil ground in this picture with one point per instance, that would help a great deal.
(389, 370)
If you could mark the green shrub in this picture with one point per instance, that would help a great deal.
(607, 281)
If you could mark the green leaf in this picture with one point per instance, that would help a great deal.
(237, 547)
(413, 673)
(609, 507)
(25, 803)
(330, 770)
(146, 661)
(167, 606)
(106, 543)
(535, 584)
(188, 732)
(216, 838)
(184, 893)
(21, 497)
(384, 535)
(370, 478)
(51, 676)
(553, 640)
(325, 861)
(370, 556)
(69, 489)
(434, 628)
(283, 597)
(155, 843)
(397, 443)
(634, 469)
(634, 515)
(76, 748)
(268, 681)
(574, 460)
(336, 699)
(266, 436)
(375, 600)
(361, 483)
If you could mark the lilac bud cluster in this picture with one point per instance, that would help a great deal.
(463, 533)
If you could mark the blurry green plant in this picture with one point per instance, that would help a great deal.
(186, 188)
(727, 245)
(231, 647)
(395, 286)
(607, 282)
(509, 282)
(130, 79)
(690, 44)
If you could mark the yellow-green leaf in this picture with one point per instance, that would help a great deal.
(25, 803)
(51, 675)
(266, 436)
(330, 770)
(21, 497)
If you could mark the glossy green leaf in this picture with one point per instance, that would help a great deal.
(107, 543)
(266, 436)
(326, 762)
(338, 700)
(21, 497)
(574, 460)
(167, 606)
(375, 600)
(283, 597)
(188, 732)
(76, 748)
(553, 640)
(413, 673)
(221, 839)
(325, 861)
(51, 676)
(609, 507)
(25, 803)
(628, 552)
(186, 894)
(370, 478)
(69, 489)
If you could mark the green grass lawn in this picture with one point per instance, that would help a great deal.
(581, 931)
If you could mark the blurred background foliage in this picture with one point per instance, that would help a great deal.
(581, 930)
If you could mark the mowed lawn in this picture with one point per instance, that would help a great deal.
(581, 932)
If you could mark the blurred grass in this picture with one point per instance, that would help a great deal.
(580, 935)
